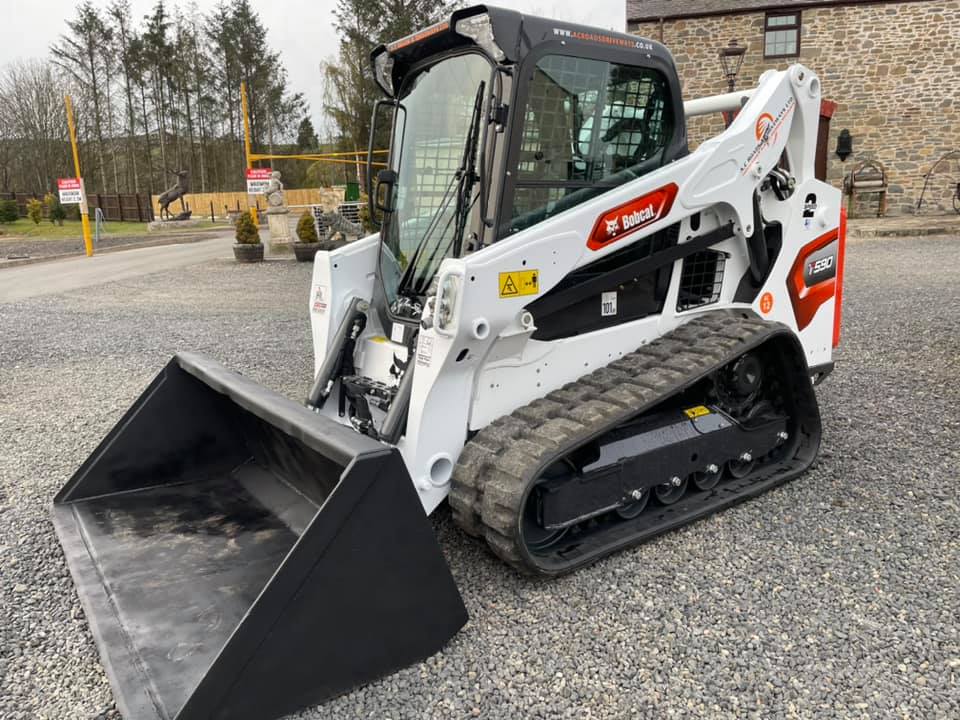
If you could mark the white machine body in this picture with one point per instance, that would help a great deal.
(483, 363)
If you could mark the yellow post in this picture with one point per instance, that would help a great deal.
(84, 213)
(246, 140)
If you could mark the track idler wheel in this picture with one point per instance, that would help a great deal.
(539, 538)
(536, 536)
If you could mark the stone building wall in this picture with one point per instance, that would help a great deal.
(892, 68)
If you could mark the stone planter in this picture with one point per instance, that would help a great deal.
(305, 251)
(248, 252)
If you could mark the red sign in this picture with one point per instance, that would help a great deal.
(626, 219)
(71, 191)
(257, 180)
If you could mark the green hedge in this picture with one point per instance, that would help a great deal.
(9, 212)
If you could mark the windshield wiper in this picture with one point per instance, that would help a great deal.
(465, 177)
(469, 169)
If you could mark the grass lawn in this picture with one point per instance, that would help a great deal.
(26, 228)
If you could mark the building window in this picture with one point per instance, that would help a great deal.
(781, 35)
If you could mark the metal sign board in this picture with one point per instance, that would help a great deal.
(257, 180)
(71, 191)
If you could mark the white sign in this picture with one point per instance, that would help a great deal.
(608, 303)
(258, 179)
(71, 191)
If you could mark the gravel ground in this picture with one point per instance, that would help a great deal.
(834, 596)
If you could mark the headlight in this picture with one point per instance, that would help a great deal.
(383, 69)
(447, 302)
(479, 29)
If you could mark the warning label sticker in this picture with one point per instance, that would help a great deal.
(320, 298)
(424, 350)
(519, 282)
(698, 411)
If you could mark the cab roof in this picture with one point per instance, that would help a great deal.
(515, 33)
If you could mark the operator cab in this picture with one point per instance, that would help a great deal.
(500, 121)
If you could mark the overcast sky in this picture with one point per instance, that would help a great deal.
(302, 30)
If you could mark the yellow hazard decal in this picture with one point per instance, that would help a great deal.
(519, 282)
(698, 411)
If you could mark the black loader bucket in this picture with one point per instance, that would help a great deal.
(239, 556)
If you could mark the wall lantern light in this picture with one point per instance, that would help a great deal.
(844, 144)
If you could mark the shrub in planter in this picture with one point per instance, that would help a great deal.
(55, 211)
(246, 230)
(35, 210)
(306, 228)
(248, 248)
(307, 242)
(8, 211)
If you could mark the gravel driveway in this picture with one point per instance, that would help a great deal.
(837, 595)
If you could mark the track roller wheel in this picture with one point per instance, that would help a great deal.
(706, 480)
(741, 468)
(629, 512)
(669, 492)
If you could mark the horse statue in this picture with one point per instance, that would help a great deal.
(177, 192)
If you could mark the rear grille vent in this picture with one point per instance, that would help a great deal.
(701, 279)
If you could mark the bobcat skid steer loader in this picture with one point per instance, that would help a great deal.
(576, 330)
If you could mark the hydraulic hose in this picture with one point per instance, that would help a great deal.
(330, 369)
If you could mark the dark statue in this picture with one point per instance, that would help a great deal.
(334, 224)
(177, 192)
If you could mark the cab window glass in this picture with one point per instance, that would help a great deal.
(588, 125)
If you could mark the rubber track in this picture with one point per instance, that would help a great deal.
(496, 466)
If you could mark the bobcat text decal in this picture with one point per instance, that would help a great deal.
(626, 219)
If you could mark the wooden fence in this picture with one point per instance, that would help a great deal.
(143, 207)
(132, 207)
(221, 203)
